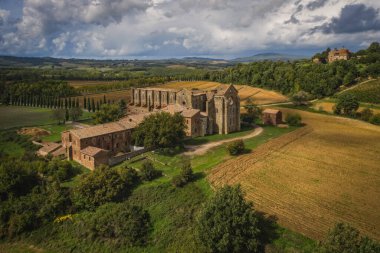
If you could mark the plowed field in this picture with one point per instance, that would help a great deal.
(326, 172)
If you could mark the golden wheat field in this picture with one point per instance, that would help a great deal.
(260, 96)
(323, 173)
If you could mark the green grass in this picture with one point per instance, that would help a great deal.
(55, 131)
(173, 210)
(217, 137)
(19, 116)
(12, 149)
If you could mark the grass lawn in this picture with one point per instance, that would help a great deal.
(217, 137)
(20, 116)
(12, 149)
(55, 131)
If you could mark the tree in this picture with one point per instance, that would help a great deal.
(293, 119)
(121, 224)
(236, 147)
(346, 239)
(75, 113)
(301, 98)
(227, 223)
(253, 111)
(349, 78)
(89, 105)
(84, 103)
(347, 104)
(122, 106)
(99, 187)
(59, 114)
(185, 176)
(93, 105)
(160, 130)
(107, 113)
(148, 172)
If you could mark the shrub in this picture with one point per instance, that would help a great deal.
(293, 119)
(148, 172)
(236, 147)
(375, 119)
(99, 187)
(346, 239)
(121, 224)
(185, 176)
(228, 223)
(301, 98)
(347, 104)
(366, 114)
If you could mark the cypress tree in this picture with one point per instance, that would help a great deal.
(66, 105)
(88, 104)
(77, 103)
(67, 114)
(84, 103)
(93, 104)
(104, 99)
(70, 103)
(97, 106)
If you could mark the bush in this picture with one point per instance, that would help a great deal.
(121, 224)
(293, 119)
(375, 119)
(185, 176)
(236, 147)
(99, 187)
(346, 239)
(301, 98)
(228, 223)
(347, 104)
(148, 172)
(366, 114)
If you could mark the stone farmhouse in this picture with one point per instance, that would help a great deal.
(338, 54)
(205, 112)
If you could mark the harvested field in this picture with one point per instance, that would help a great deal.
(326, 172)
(33, 131)
(260, 96)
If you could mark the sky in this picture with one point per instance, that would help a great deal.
(153, 29)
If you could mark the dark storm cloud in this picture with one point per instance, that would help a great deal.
(293, 19)
(316, 4)
(353, 19)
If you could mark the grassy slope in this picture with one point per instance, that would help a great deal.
(173, 211)
(19, 116)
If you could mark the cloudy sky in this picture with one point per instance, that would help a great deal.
(177, 28)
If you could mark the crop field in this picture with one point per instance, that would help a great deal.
(260, 96)
(368, 91)
(309, 179)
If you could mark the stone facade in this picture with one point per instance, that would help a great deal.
(219, 109)
(338, 54)
(272, 117)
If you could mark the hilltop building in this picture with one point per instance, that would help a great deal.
(338, 54)
(205, 112)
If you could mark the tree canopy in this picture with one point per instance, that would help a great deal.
(228, 223)
(160, 130)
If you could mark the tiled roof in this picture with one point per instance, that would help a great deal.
(102, 129)
(185, 111)
(92, 151)
(50, 147)
(271, 111)
(188, 113)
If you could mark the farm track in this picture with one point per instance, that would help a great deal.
(309, 179)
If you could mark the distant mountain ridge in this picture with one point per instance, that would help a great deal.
(269, 57)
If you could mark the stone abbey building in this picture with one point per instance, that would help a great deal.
(205, 112)
(213, 111)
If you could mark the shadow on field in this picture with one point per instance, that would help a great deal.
(268, 226)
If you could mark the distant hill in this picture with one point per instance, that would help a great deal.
(269, 57)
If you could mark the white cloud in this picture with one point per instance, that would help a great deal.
(117, 28)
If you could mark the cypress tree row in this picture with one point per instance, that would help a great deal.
(93, 105)
(84, 103)
(88, 104)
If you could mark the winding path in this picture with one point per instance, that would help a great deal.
(201, 149)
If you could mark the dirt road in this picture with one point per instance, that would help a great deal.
(201, 149)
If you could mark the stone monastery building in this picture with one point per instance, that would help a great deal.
(205, 112)
(338, 54)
